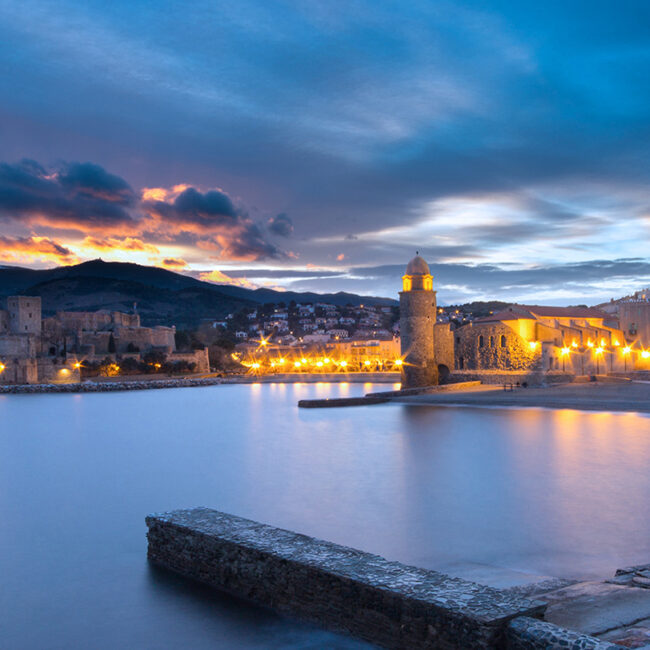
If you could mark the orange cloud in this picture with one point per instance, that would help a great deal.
(217, 277)
(27, 248)
(113, 243)
(173, 263)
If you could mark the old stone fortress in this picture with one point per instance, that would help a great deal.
(34, 349)
(523, 343)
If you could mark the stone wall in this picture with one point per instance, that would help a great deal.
(198, 357)
(634, 318)
(18, 371)
(417, 320)
(495, 346)
(24, 314)
(18, 345)
(388, 603)
(443, 346)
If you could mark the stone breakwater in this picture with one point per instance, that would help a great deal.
(110, 386)
(386, 603)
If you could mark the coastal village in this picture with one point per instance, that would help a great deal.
(518, 344)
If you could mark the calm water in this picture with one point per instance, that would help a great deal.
(548, 492)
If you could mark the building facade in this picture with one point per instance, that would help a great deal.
(533, 338)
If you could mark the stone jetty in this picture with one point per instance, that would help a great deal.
(387, 603)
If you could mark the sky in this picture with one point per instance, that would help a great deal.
(317, 145)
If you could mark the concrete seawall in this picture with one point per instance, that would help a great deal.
(387, 603)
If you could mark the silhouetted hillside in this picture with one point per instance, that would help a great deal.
(163, 297)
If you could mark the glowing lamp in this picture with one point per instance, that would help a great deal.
(366, 362)
(615, 343)
(645, 354)
(319, 364)
(627, 349)
(2, 367)
(77, 365)
(532, 344)
(574, 344)
(565, 351)
(590, 343)
(343, 364)
(398, 362)
(64, 371)
(303, 360)
(281, 361)
(296, 364)
(599, 350)
(255, 365)
(603, 343)
(326, 360)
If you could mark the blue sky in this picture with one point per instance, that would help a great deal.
(317, 145)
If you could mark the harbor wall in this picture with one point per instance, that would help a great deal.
(387, 603)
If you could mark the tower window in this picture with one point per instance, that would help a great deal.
(503, 341)
(480, 341)
(492, 341)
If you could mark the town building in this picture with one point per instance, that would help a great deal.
(533, 338)
(34, 349)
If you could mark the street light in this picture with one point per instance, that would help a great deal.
(598, 352)
(564, 352)
(626, 352)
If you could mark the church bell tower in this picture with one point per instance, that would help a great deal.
(417, 303)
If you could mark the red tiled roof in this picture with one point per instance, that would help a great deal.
(543, 311)
(564, 312)
(503, 315)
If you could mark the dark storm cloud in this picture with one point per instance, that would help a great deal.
(281, 225)
(77, 196)
(214, 221)
(89, 180)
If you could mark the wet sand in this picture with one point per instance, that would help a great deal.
(594, 396)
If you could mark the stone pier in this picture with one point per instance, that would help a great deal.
(387, 603)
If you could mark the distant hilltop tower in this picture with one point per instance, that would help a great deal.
(417, 304)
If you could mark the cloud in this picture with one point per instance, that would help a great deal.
(30, 248)
(217, 277)
(80, 196)
(281, 225)
(214, 221)
(115, 243)
(174, 263)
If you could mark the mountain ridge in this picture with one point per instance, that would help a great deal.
(163, 297)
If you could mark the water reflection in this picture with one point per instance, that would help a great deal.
(547, 492)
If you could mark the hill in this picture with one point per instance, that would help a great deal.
(163, 297)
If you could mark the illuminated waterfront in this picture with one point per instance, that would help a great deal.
(558, 493)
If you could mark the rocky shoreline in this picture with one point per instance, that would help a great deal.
(111, 386)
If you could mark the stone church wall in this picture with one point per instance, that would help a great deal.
(493, 346)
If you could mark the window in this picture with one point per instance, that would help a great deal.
(461, 363)
(492, 341)
(480, 341)
(503, 341)
(30, 314)
(458, 340)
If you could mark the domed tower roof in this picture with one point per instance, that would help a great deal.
(417, 266)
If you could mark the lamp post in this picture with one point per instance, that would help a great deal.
(626, 352)
(598, 352)
(564, 352)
